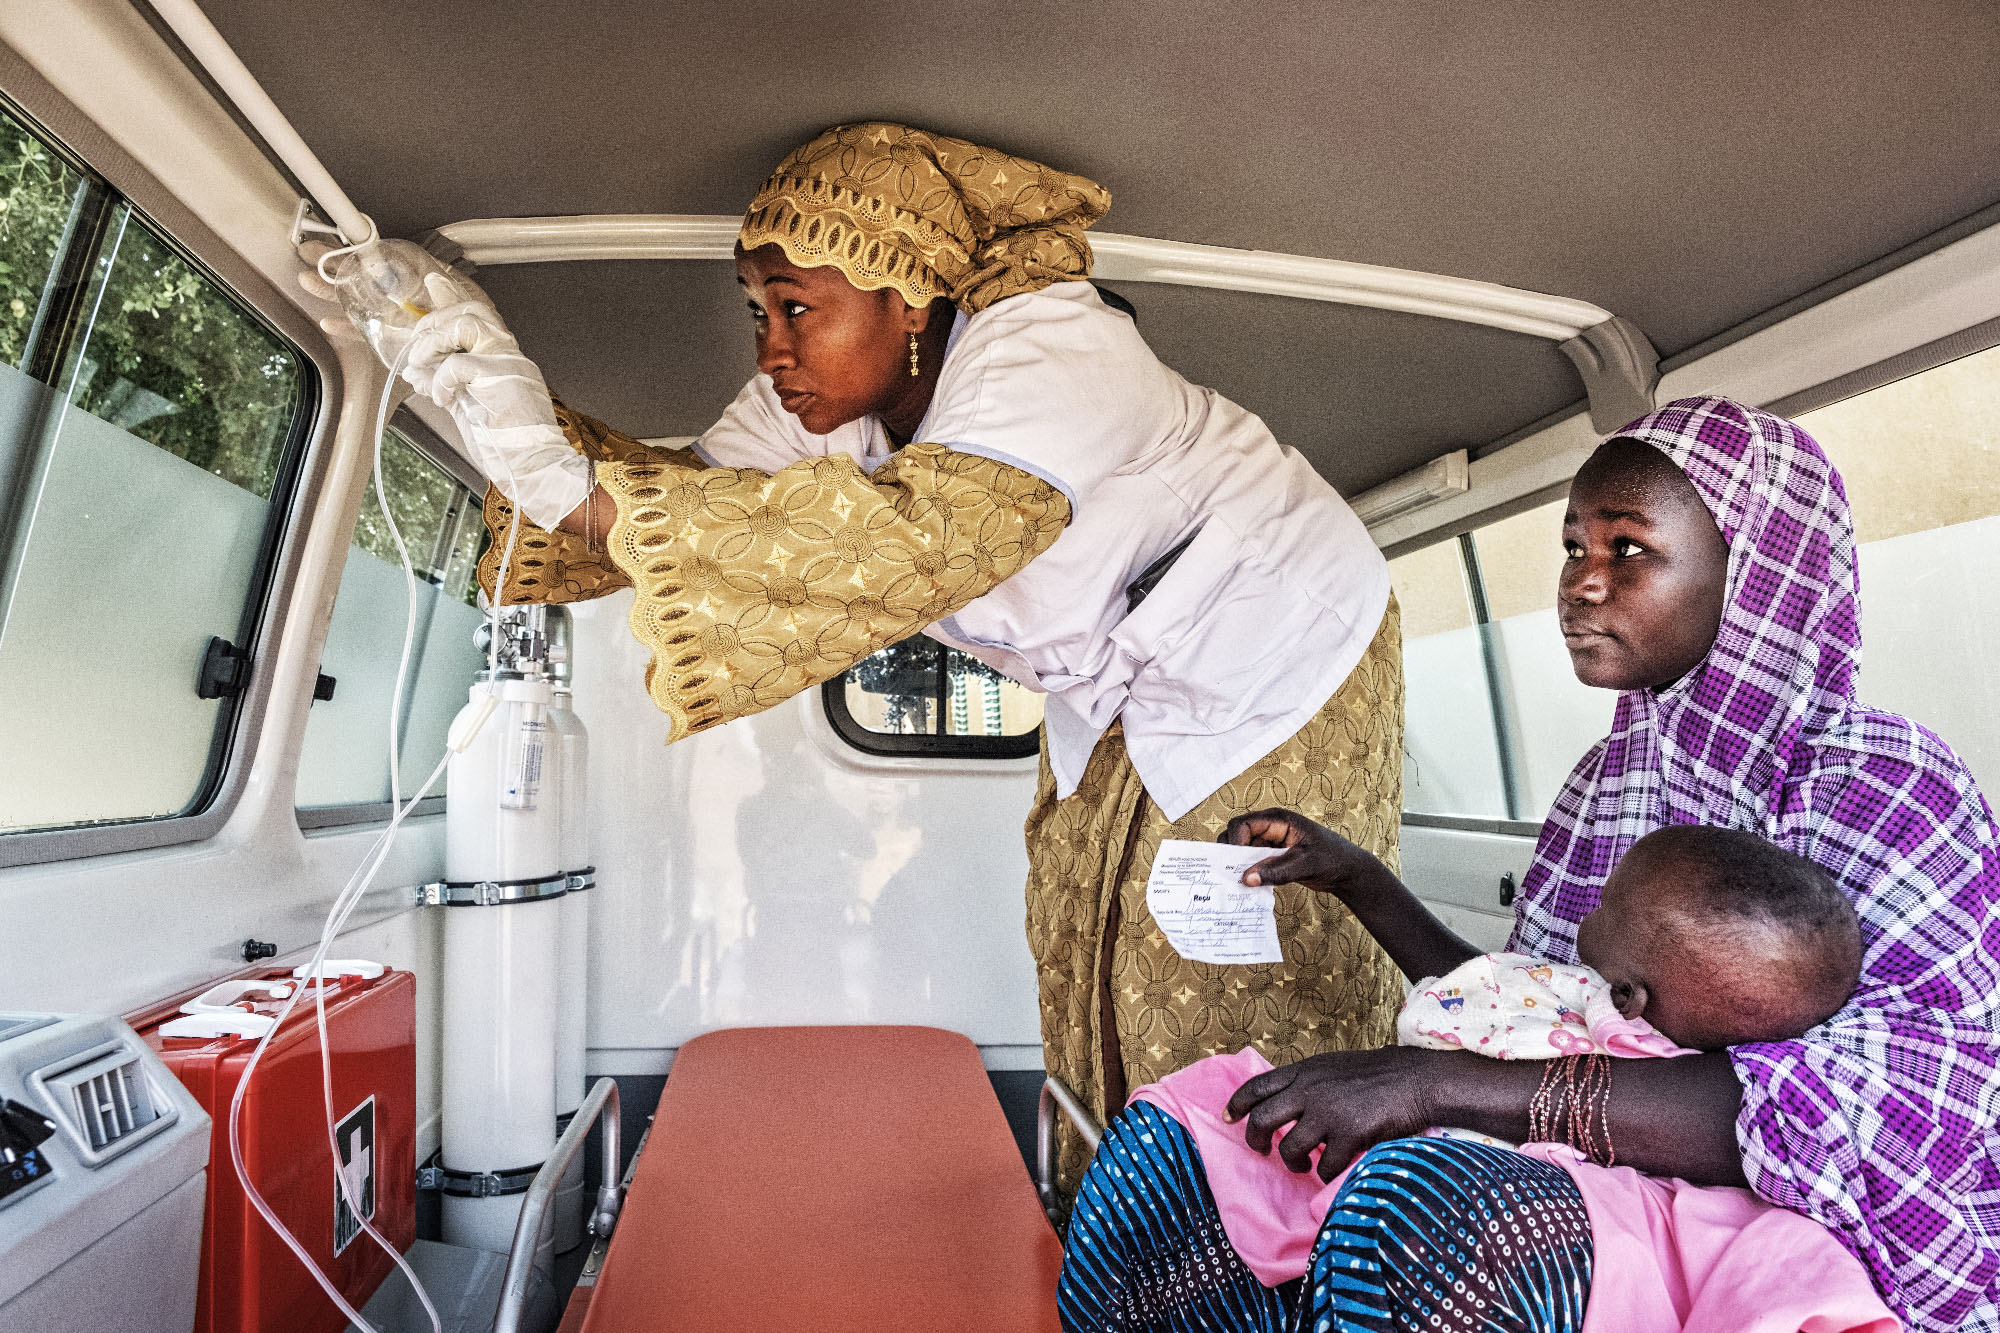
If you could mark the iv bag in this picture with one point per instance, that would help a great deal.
(383, 290)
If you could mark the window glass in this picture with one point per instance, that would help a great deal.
(1921, 461)
(1451, 762)
(1494, 717)
(1430, 589)
(345, 759)
(135, 501)
(41, 196)
(919, 688)
(171, 360)
(1549, 717)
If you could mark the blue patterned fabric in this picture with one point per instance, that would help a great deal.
(1445, 1234)
(1146, 1252)
(1437, 1235)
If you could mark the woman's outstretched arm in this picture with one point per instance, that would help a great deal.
(1666, 1117)
(1317, 857)
(563, 564)
(754, 586)
(593, 518)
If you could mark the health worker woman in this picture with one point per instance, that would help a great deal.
(952, 432)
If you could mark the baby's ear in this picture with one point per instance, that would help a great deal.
(1630, 997)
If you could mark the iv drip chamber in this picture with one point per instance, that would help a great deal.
(385, 287)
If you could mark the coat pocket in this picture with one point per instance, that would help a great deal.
(1205, 640)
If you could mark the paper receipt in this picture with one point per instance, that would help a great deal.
(1196, 893)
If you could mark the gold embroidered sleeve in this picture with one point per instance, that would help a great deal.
(560, 566)
(754, 586)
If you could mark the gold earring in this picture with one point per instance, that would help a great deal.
(913, 356)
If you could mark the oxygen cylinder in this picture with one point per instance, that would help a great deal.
(571, 747)
(503, 883)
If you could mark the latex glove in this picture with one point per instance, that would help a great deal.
(463, 358)
(389, 338)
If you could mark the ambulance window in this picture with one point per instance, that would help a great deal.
(1921, 461)
(1450, 764)
(920, 697)
(344, 764)
(40, 196)
(1494, 717)
(149, 428)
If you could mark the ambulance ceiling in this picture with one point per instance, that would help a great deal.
(1686, 166)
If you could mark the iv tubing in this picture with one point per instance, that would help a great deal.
(410, 615)
(343, 906)
(454, 744)
(350, 897)
(241, 87)
(398, 810)
(223, 65)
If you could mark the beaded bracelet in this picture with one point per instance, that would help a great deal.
(1573, 1106)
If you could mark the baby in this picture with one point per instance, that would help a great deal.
(1703, 938)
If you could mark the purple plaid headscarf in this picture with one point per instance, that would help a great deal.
(1880, 1123)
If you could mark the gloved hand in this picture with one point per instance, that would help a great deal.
(462, 357)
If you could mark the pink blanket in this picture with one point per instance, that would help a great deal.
(1679, 1258)
(1271, 1215)
(1670, 1256)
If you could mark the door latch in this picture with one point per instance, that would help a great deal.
(225, 669)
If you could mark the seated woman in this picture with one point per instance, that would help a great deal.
(1718, 936)
(1711, 580)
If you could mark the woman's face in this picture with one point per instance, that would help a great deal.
(1640, 598)
(834, 352)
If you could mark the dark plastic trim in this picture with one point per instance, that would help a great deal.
(370, 812)
(1513, 828)
(833, 695)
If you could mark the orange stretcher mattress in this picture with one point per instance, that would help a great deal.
(832, 1179)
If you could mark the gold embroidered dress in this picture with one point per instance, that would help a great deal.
(753, 585)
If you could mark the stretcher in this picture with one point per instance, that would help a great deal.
(839, 1179)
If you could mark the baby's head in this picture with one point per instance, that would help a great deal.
(1719, 938)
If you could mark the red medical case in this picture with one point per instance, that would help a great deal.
(249, 1280)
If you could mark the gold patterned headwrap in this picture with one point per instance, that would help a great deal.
(927, 215)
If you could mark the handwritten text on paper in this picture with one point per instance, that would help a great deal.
(1196, 893)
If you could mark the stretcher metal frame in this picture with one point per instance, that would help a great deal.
(1057, 1097)
(601, 1101)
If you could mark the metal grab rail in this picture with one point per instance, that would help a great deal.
(1055, 1096)
(603, 1096)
